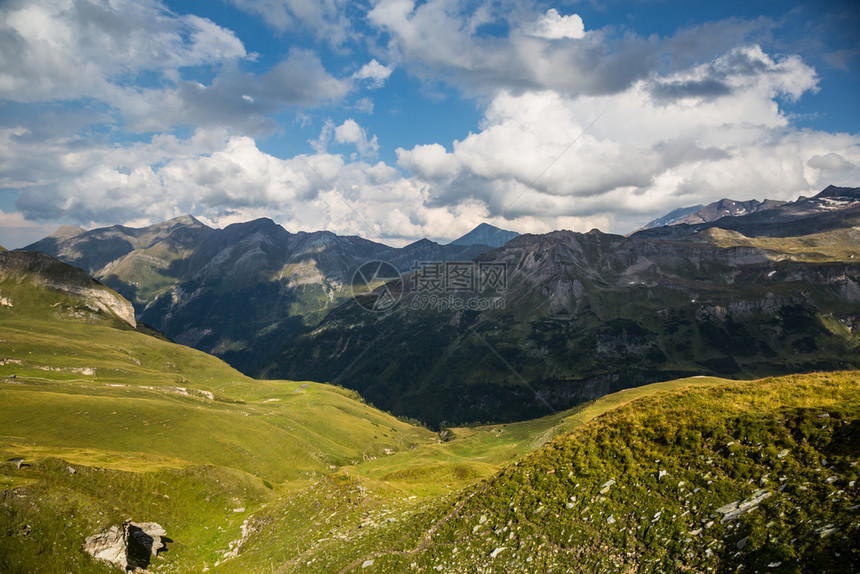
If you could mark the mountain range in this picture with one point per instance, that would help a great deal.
(577, 315)
(585, 314)
(237, 292)
(712, 212)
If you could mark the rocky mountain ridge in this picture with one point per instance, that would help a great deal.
(576, 316)
(712, 212)
(832, 208)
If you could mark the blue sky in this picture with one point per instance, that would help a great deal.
(400, 119)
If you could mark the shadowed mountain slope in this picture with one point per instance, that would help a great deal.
(582, 315)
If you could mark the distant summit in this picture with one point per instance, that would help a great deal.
(833, 208)
(486, 234)
(831, 199)
(67, 232)
(673, 217)
(712, 212)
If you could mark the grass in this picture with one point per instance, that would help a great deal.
(645, 487)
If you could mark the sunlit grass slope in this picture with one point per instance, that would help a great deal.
(836, 245)
(753, 476)
(154, 432)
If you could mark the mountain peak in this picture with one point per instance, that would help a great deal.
(833, 191)
(422, 243)
(67, 232)
(263, 224)
(713, 211)
(486, 234)
(186, 219)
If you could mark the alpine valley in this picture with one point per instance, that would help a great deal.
(179, 398)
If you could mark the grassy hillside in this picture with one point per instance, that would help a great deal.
(84, 378)
(154, 431)
(754, 477)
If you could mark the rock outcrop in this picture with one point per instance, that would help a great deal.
(129, 546)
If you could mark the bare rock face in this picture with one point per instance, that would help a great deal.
(109, 546)
(102, 298)
(129, 546)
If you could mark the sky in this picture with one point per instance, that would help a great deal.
(402, 119)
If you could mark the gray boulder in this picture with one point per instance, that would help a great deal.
(129, 546)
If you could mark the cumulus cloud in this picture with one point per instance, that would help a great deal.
(375, 72)
(646, 153)
(830, 161)
(108, 52)
(327, 19)
(554, 26)
(68, 50)
(786, 76)
(224, 179)
(349, 132)
(443, 41)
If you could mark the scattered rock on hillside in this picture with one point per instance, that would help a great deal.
(737, 508)
(129, 546)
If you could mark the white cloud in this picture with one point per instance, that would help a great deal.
(68, 50)
(676, 121)
(134, 56)
(553, 26)
(375, 72)
(642, 158)
(349, 132)
(440, 40)
(431, 161)
(326, 20)
(364, 105)
(647, 153)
